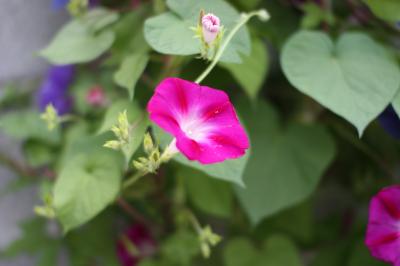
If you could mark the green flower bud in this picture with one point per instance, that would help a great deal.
(50, 117)
(113, 144)
(148, 144)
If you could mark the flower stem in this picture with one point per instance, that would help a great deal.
(132, 180)
(262, 14)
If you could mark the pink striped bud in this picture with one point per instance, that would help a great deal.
(211, 27)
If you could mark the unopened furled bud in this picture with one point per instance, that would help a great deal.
(207, 240)
(148, 144)
(263, 15)
(50, 117)
(45, 211)
(210, 27)
(113, 144)
(77, 7)
(123, 125)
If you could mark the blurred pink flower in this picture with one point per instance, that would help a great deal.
(96, 96)
(211, 27)
(202, 120)
(383, 233)
(134, 245)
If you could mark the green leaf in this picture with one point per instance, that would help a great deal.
(285, 165)
(210, 195)
(385, 9)
(130, 70)
(314, 15)
(85, 243)
(251, 72)
(85, 186)
(361, 256)
(229, 170)
(180, 248)
(170, 33)
(396, 103)
(22, 125)
(125, 41)
(81, 40)
(37, 153)
(302, 230)
(135, 116)
(276, 251)
(248, 4)
(355, 78)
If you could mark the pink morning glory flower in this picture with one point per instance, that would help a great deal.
(383, 233)
(134, 245)
(202, 120)
(211, 27)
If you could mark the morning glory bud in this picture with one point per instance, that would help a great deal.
(211, 27)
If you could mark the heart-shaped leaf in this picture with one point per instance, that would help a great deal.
(251, 72)
(210, 195)
(356, 78)
(85, 186)
(130, 70)
(81, 40)
(170, 33)
(285, 165)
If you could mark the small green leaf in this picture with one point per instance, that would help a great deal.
(81, 40)
(314, 15)
(285, 166)
(385, 9)
(229, 170)
(210, 195)
(251, 72)
(276, 251)
(356, 78)
(85, 186)
(130, 70)
(170, 32)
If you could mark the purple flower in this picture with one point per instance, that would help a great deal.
(54, 89)
(60, 4)
(383, 233)
(135, 244)
(390, 121)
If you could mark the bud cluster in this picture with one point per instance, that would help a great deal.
(208, 239)
(51, 117)
(121, 131)
(152, 162)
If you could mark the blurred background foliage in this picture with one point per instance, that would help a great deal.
(310, 85)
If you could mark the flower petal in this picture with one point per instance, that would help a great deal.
(201, 118)
(383, 233)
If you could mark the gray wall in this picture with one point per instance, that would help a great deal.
(26, 26)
